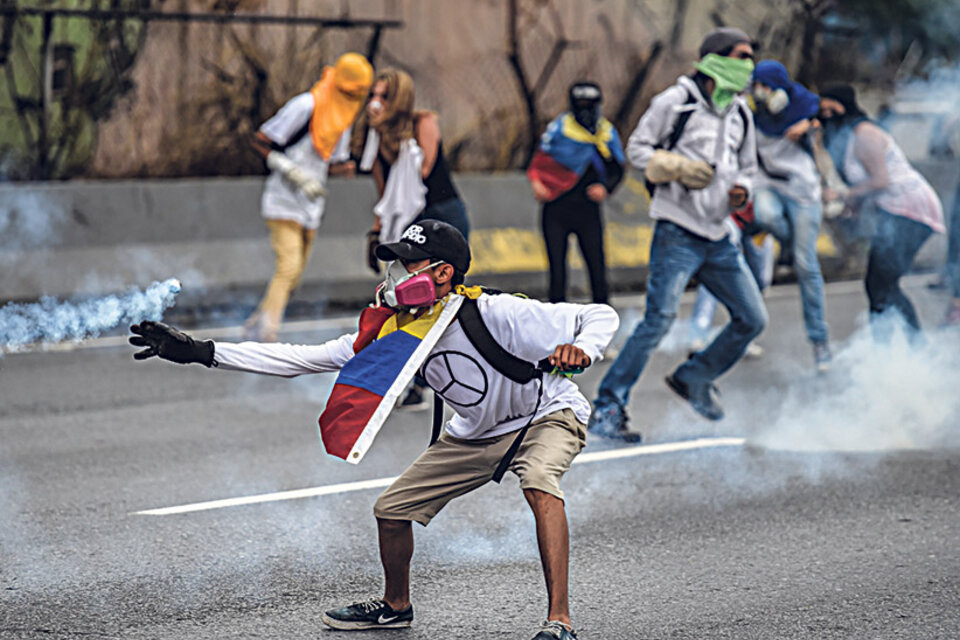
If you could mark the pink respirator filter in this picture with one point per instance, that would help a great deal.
(418, 291)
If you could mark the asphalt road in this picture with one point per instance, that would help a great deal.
(837, 518)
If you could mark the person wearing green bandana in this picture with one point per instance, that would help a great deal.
(696, 145)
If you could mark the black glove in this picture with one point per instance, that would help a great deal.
(170, 344)
(373, 241)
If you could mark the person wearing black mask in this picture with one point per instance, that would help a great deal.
(579, 163)
(906, 208)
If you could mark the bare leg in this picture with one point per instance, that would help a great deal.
(553, 538)
(396, 550)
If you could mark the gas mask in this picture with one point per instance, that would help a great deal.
(775, 100)
(404, 290)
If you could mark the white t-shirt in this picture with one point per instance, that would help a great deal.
(485, 402)
(281, 200)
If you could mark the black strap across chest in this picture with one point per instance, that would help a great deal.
(510, 366)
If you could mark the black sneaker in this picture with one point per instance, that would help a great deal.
(700, 396)
(414, 400)
(611, 422)
(372, 614)
(555, 630)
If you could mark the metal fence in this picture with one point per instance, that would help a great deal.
(65, 71)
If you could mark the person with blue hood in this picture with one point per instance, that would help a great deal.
(786, 200)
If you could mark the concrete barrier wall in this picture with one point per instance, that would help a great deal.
(97, 237)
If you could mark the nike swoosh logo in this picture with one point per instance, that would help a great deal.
(386, 619)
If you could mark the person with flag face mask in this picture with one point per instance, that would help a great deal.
(787, 198)
(697, 147)
(532, 428)
(579, 163)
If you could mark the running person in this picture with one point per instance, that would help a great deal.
(786, 201)
(703, 175)
(581, 159)
(477, 438)
(299, 143)
(907, 209)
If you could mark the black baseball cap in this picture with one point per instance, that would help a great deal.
(429, 239)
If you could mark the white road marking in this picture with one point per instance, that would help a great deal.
(346, 487)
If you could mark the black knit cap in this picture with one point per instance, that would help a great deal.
(846, 95)
(429, 239)
(722, 40)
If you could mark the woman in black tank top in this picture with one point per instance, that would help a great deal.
(389, 110)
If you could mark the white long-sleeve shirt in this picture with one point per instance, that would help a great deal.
(485, 402)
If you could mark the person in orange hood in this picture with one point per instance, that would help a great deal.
(307, 138)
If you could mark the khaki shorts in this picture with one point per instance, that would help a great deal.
(453, 467)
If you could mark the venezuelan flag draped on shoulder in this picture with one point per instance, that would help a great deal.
(390, 347)
(568, 149)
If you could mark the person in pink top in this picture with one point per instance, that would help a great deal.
(907, 209)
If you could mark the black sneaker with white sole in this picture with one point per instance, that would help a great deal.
(372, 614)
(555, 630)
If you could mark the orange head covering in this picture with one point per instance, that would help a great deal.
(337, 99)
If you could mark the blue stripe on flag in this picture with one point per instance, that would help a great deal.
(377, 366)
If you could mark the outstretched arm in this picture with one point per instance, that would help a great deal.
(287, 360)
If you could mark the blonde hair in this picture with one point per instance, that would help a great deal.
(397, 125)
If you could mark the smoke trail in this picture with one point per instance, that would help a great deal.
(51, 320)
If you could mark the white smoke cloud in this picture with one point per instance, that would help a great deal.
(878, 397)
(52, 320)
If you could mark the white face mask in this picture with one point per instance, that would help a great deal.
(776, 100)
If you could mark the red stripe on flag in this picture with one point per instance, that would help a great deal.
(347, 413)
(555, 177)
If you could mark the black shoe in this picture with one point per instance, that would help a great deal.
(699, 396)
(414, 400)
(372, 614)
(611, 422)
(555, 630)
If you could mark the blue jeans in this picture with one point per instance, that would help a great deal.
(895, 244)
(450, 211)
(676, 255)
(705, 306)
(791, 221)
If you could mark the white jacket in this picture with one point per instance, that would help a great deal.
(724, 139)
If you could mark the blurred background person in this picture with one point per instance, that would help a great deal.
(577, 166)
(389, 133)
(696, 144)
(950, 277)
(402, 149)
(787, 198)
(906, 208)
(299, 143)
